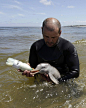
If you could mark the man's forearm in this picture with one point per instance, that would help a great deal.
(73, 74)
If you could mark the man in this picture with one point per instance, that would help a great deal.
(54, 50)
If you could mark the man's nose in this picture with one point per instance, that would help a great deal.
(49, 39)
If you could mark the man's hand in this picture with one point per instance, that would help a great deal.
(26, 72)
(46, 77)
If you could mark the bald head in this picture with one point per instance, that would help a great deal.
(51, 24)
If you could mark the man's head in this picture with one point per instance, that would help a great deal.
(51, 30)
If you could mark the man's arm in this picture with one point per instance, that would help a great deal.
(33, 60)
(72, 62)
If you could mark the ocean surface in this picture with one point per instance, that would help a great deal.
(17, 91)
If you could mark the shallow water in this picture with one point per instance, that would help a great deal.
(17, 91)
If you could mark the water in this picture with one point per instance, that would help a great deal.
(17, 91)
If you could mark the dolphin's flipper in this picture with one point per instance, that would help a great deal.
(53, 78)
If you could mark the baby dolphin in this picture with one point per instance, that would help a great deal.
(48, 69)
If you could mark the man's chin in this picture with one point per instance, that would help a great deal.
(50, 45)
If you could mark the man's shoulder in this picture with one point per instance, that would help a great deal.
(38, 44)
(38, 41)
(64, 43)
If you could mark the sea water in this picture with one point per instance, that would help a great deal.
(17, 91)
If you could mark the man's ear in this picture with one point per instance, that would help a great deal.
(60, 33)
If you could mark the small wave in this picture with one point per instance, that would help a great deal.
(81, 41)
(2, 29)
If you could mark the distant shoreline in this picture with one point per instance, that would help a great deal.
(75, 26)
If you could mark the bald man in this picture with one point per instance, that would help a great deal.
(54, 50)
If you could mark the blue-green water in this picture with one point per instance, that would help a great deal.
(17, 91)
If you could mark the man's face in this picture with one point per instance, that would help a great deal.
(50, 37)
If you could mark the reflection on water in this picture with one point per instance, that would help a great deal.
(17, 91)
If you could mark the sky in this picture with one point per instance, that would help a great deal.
(33, 12)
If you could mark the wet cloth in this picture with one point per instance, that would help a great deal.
(62, 56)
